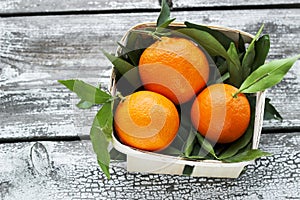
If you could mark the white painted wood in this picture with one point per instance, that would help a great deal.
(28, 6)
(37, 51)
(24, 6)
(216, 3)
(73, 173)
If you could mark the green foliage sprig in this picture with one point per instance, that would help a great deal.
(242, 67)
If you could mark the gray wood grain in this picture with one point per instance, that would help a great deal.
(200, 3)
(37, 51)
(25, 6)
(68, 170)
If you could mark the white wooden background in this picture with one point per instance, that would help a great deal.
(44, 148)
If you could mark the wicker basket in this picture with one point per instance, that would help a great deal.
(151, 162)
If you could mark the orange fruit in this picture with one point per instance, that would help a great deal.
(175, 68)
(219, 116)
(146, 120)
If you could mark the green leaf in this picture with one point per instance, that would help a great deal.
(221, 37)
(141, 38)
(223, 68)
(242, 142)
(180, 139)
(86, 92)
(104, 167)
(195, 148)
(210, 44)
(121, 65)
(135, 45)
(267, 75)
(132, 39)
(126, 69)
(262, 46)
(82, 104)
(133, 55)
(116, 155)
(241, 44)
(223, 78)
(164, 15)
(190, 144)
(205, 145)
(235, 71)
(197, 157)
(170, 150)
(164, 25)
(198, 153)
(99, 137)
(188, 170)
(247, 156)
(105, 119)
(271, 112)
(207, 41)
(249, 56)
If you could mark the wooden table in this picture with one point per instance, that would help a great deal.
(44, 148)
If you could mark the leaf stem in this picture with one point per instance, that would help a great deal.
(255, 81)
(120, 96)
(150, 33)
(234, 95)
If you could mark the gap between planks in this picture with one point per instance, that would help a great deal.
(69, 170)
(45, 108)
(265, 131)
(150, 10)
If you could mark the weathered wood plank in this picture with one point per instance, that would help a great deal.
(37, 51)
(203, 4)
(68, 170)
(28, 6)
(24, 6)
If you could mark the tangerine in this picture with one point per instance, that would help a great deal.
(175, 68)
(146, 120)
(220, 116)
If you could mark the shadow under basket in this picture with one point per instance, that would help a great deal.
(151, 162)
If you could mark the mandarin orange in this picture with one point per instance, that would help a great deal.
(175, 68)
(218, 115)
(146, 120)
